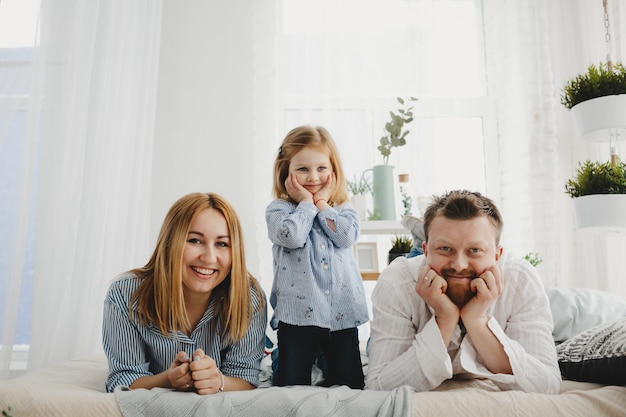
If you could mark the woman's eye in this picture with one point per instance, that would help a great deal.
(222, 244)
(194, 241)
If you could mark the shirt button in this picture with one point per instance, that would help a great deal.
(323, 246)
(327, 292)
(325, 266)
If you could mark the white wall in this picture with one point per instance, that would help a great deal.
(204, 128)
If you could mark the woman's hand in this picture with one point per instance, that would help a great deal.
(207, 378)
(179, 374)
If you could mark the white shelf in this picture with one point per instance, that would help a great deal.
(383, 227)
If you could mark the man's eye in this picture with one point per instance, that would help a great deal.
(475, 250)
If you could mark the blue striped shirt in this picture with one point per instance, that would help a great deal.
(316, 277)
(135, 350)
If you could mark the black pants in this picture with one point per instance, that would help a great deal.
(298, 346)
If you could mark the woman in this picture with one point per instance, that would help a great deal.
(193, 318)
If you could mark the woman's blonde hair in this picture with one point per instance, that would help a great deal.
(319, 139)
(159, 297)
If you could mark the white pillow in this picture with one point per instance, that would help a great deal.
(575, 310)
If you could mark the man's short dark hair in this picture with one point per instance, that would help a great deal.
(463, 205)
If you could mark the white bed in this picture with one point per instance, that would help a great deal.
(76, 388)
(590, 331)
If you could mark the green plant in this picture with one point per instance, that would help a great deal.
(7, 412)
(360, 186)
(597, 178)
(401, 244)
(533, 258)
(407, 202)
(596, 82)
(395, 132)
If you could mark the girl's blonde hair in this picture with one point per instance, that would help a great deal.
(319, 139)
(159, 297)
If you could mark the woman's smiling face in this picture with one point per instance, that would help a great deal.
(207, 254)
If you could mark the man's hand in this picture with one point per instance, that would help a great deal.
(487, 287)
(432, 288)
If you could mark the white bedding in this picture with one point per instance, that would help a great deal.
(76, 388)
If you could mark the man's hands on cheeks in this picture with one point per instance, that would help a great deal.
(432, 288)
(201, 373)
(487, 288)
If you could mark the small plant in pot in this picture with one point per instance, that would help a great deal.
(598, 190)
(594, 177)
(598, 81)
(400, 246)
(597, 98)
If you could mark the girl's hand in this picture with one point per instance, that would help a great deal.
(178, 373)
(207, 378)
(327, 190)
(296, 191)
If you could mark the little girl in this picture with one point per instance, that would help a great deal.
(317, 294)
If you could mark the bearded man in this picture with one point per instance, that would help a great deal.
(463, 309)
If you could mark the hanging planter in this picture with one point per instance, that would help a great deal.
(599, 193)
(607, 112)
(605, 212)
(597, 98)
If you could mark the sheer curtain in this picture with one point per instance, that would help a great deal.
(88, 158)
(533, 48)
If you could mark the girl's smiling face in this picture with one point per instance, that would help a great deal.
(207, 253)
(311, 168)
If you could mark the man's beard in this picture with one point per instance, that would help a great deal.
(459, 293)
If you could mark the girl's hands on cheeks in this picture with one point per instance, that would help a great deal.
(296, 191)
(487, 287)
(207, 378)
(178, 373)
(327, 190)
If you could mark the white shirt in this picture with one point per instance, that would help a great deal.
(406, 347)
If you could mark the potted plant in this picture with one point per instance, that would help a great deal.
(395, 136)
(597, 98)
(400, 246)
(599, 193)
(359, 188)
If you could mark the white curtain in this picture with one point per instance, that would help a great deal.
(533, 48)
(88, 160)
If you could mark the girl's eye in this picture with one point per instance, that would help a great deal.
(302, 169)
(322, 168)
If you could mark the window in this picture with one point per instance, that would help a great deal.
(18, 19)
(342, 65)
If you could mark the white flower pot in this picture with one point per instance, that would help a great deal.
(600, 113)
(359, 202)
(604, 212)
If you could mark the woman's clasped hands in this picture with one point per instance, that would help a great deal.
(199, 374)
